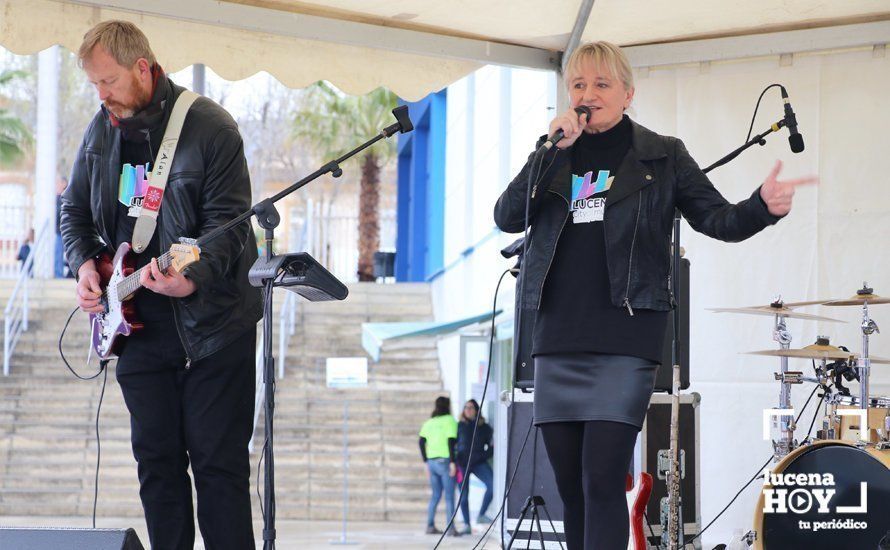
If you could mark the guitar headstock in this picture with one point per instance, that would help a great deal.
(182, 255)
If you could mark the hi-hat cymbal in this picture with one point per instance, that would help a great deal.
(810, 352)
(858, 300)
(864, 295)
(785, 310)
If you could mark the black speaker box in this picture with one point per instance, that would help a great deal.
(665, 376)
(524, 365)
(23, 538)
(534, 475)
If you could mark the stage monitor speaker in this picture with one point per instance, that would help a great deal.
(665, 375)
(534, 475)
(524, 365)
(23, 538)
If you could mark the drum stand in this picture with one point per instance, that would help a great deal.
(786, 443)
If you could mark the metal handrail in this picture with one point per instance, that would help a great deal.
(15, 315)
(260, 390)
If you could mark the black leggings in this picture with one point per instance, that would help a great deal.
(590, 461)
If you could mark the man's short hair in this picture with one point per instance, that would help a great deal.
(121, 39)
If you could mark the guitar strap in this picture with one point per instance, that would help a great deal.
(148, 216)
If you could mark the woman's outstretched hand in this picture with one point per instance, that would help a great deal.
(778, 194)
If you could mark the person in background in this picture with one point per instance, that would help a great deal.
(25, 251)
(438, 436)
(475, 463)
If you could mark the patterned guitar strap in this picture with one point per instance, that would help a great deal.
(148, 216)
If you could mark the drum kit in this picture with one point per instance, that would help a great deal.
(832, 490)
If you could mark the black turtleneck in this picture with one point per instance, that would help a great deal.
(577, 314)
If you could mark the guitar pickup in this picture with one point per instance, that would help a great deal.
(664, 463)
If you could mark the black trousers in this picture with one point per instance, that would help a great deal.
(202, 415)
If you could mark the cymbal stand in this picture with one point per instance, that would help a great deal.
(785, 423)
(863, 365)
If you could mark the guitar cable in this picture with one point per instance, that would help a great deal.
(103, 369)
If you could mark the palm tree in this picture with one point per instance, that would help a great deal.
(332, 124)
(14, 134)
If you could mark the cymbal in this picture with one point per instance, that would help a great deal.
(814, 351)
(879, 360)
(858, 300)
(785, 310)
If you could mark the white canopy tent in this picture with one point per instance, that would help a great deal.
(415, 46)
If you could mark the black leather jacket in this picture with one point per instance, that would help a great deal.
(208, 186)
(656, 175)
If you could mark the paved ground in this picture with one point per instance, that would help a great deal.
(292, 534)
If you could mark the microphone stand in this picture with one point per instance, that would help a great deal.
(675, 286)
(262, 275)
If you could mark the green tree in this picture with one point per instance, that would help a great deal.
(15, 137)
(331, 124)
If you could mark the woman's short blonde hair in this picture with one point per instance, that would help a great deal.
(604, 55)
(121, 39)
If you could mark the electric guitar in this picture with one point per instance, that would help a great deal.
(119, 281)
(637, 496)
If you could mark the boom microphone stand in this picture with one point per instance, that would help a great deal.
(305, 276)
(675, 286)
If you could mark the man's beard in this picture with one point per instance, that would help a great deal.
(121, 110)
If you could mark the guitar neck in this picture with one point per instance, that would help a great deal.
(131, 283)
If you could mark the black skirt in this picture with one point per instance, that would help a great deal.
(577, 387)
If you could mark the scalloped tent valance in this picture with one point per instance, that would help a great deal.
(413, 47)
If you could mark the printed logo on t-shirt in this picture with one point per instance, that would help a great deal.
(589, 196)
(132, 187)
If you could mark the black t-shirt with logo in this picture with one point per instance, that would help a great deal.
(577, 314)
(137, 159)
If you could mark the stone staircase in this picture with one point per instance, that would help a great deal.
(47, 417)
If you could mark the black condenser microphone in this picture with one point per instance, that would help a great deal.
(794, 138)
(559, 134)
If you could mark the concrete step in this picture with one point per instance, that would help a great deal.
(48, 449)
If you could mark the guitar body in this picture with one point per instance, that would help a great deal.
(119, 281)
(637, 497)
(118, 321)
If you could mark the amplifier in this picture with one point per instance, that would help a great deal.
(64, 538)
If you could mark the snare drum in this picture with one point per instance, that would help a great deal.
(825, 496)
(847, 427)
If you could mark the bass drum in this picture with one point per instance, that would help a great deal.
(798, 509)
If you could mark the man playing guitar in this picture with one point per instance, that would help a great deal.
(186, 370)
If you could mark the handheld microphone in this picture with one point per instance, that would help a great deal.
(794, 137)
(559, 134)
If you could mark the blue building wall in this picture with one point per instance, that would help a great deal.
(421, 191)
